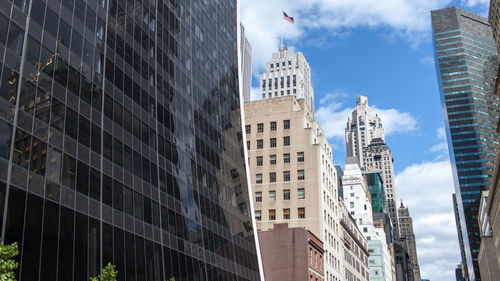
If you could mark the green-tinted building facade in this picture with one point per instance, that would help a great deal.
(376, 187)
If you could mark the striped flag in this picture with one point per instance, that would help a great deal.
(286, 17)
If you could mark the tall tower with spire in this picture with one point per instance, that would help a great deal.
(287, 74)
(365, 139)
(407, 237)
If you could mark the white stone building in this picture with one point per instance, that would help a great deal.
(365, 140)
(358, 202)
(287, 74)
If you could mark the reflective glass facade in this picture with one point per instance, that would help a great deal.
(467, 66)
(121, 140)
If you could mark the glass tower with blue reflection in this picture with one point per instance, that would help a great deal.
(120, 140)
(467, 66)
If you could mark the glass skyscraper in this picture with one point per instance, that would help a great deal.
(121, 140)
(466, 66)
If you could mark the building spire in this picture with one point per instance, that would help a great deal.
(402, 206)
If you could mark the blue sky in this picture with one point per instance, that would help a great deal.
(383, 50)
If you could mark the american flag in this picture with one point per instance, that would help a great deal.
(290, 19)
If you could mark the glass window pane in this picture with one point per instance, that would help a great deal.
(4, 25)
(5, 139)
(16, 38)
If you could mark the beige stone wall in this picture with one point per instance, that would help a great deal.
(320, 183)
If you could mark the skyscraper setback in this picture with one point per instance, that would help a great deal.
(466, 66)
(287, 73)
(365, 140)
(120, 123)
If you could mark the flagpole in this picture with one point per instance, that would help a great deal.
(282, 19)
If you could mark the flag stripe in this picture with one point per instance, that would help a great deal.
(286, 17)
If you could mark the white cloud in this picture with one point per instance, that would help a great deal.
(428, 60)
(441, 134)
(433, 218)
(407, 19)
(395, 121)
(474, 3)
(441, 149)
(332, 115)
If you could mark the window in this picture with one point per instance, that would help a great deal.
(272, 159)
(258, 196)
(352, 194)
(272, 177)
(286, 214)
(258, 215)
(260, 127)
(273, 126)
(302, 213)
(351, 204)
(258, 178)
(286, 124)
(248, 129)
(301, 193)
(300, 156)
(272, 195)
(286, 141)
(286, 194)
(272, 215)
(272, 142)
(272, 66)
(260, 144)
(286, 176)
(248, 145)
(286, 158)
(259, 161)
(300, 175)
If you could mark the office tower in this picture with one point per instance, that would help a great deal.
(365, 140)
(287, 73)
(119, 141)
(292, 254)
(356, 251)
(246, 64)
(459, 276)
(293, 176)
(406, 233)
(460, 239)
(466, 68)
(403, 264)
(358, 198)
(363, 126)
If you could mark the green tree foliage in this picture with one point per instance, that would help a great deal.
(108, 274)
(7, 262)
